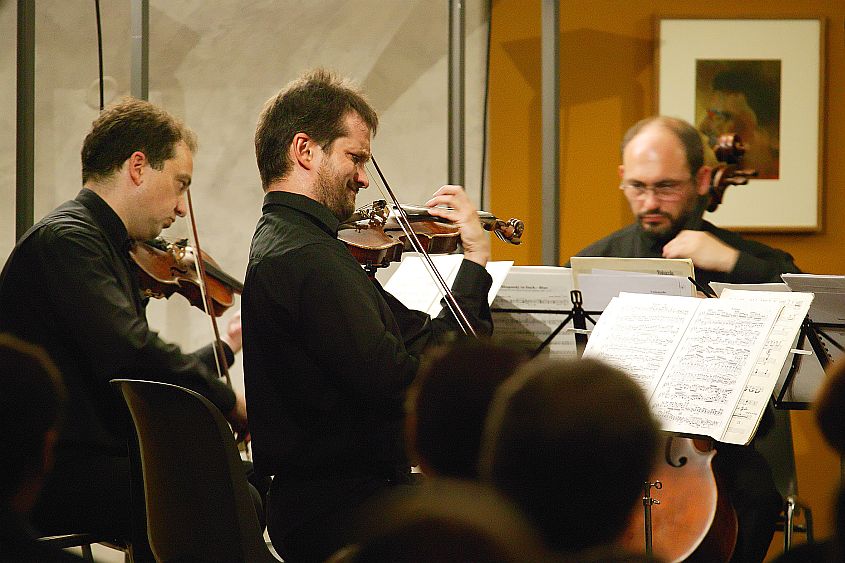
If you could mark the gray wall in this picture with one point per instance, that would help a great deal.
(214, 63)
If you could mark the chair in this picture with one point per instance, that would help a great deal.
(198, 503)
(84, 541)
(776, 447)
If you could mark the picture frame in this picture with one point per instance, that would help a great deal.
(761, 79)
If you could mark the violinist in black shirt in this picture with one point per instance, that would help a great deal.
(69, 286)
(328, 354)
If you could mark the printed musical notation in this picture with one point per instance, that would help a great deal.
(535, 288)
(704, 364)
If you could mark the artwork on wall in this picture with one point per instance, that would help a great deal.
(759, 79)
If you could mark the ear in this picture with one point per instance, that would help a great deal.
(702, 180)
(135, 164)
(621, 171)
(302, 150)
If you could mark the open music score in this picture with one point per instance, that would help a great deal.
(707, 366)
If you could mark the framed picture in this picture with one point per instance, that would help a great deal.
(760, 79)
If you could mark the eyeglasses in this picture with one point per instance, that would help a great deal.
(665, 190)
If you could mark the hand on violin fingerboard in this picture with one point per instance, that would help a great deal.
(463, 213)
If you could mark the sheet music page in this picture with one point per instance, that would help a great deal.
(599, 287)
(681, 267)
(829, 303)
(719, 287)
(413, 286)
(702, 384)
(535, 287)
(638, 333)
(776, 352)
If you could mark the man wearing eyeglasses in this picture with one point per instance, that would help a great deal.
(664, 179)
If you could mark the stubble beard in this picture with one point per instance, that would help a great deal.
(334, 193)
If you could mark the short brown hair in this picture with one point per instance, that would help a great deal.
(128, 126)
(559, 422)
(316, 104)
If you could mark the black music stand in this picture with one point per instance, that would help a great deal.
(819, 339)
(577, 316)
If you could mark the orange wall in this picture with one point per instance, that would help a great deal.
(606, 82)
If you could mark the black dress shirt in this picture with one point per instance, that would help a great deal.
(328, 354)
(757, 262)
(69, 287)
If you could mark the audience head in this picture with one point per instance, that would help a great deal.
(317, 104)
(448, 403)
(31, 399)
(571, 442)
(444, 520)
(829, 406)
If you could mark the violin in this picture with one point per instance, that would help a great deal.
(165, 268)
(375, 237)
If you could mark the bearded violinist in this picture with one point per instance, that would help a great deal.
(663, 175)
(69, 286)
(328, 354)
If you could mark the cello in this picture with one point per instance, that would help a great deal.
(693, 520)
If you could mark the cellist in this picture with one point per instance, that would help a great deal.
(328, 354)
(663, 177)
(70, 286)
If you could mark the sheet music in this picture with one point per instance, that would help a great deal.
(599, 287)
(775, 354)
(681, 267)
(411, 283)
(639, 333)
(713, 362)
(829, 303)
(693, 357)
(535, 287)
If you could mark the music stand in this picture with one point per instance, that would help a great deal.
(577, 316)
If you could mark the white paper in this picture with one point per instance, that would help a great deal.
(829, 303)
(692, 357)
(535, 288)
(413, 285)
(639, 334)
(775, 354)
(702, 384)
(598, 289)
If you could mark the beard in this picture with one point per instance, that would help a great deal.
(688, 218)
(336, 194)
(666, 233)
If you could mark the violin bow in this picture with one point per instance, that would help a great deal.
(405, 223)
(219, 352)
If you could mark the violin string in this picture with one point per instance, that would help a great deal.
(405, 224)
(219, 356)
(437, 278)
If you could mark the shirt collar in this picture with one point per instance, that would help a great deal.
(316, 212)
(106, 217)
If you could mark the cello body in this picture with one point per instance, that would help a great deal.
(693, 521)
